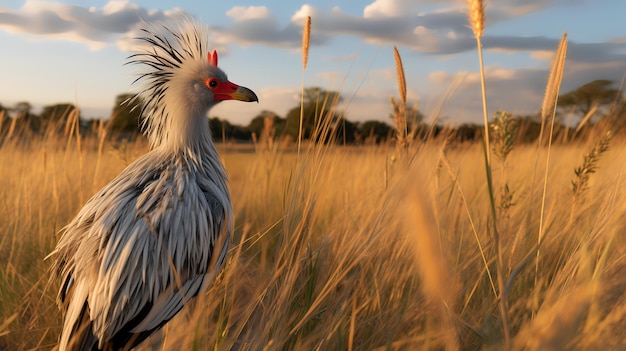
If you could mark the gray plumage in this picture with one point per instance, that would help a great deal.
(158, 234)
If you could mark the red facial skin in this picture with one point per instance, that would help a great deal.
(225, 90)
(222, 90)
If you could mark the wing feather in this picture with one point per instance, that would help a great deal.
(141, 249)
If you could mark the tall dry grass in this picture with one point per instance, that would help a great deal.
(331, 251)
(400, 113)
(476, 13)
(306, 36)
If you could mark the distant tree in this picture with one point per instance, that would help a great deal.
(23, 108)
(126, 114)
(257, 124)
(615, 121)
(586, 97)
(414, 117)
(322, 98)
(55, 115)
(469, 132)
(223, 130)
(319, 107)
(4, 114)
(218, 128)
(528, 128)
(57, 112)
(345, 132)
(378, 130)
(24, 118)
(91, 126)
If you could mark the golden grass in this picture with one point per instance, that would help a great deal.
(400, 75)
(553, 86)
(548, 109)
(399, 110)
(439, 286)
(476, 13)
(330, 252)
(306, 36)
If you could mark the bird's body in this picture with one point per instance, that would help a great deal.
(156, 235)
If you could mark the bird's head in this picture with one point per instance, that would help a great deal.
(181, 82)
(200, 84)
(221, 88)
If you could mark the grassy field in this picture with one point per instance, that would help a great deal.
(417, 247)
(353, 248)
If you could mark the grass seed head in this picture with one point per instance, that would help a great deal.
(590, 164)
(476, 12)
(503, 127)
(306, 35)
(554, 79)
(400, 73)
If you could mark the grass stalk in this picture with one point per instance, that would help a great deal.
(484, 102)
(331, 253)
(306, 35)
(549, 110)
(399, 117)
(477, 22)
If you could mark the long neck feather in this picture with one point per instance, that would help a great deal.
(184, 131)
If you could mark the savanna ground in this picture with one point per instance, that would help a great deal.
(415, 247)
(355, 248)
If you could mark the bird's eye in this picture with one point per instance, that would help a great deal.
(213, 83)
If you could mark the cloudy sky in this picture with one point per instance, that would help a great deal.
(65, 51)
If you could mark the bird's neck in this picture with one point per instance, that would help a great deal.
(186, 133)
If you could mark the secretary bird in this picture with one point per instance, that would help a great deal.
(158, 233)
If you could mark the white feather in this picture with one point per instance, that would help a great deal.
(166, 219)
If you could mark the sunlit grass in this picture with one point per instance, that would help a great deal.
(346, 250)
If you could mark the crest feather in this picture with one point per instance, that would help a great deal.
(164, 51)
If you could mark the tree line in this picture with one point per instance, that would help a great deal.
(592, 104)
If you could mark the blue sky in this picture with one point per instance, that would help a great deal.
(65, 51)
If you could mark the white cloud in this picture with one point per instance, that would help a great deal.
(331, 77)
(304, 11)
(93, 27)
(242, 13)
(437, 29)
(493, 73)
(519, 91)
(388, 74)
(387, 8)
(428, 40)
(255, 25)
(115, 6)
(440, 28)
(438, 77)
(542, 54)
